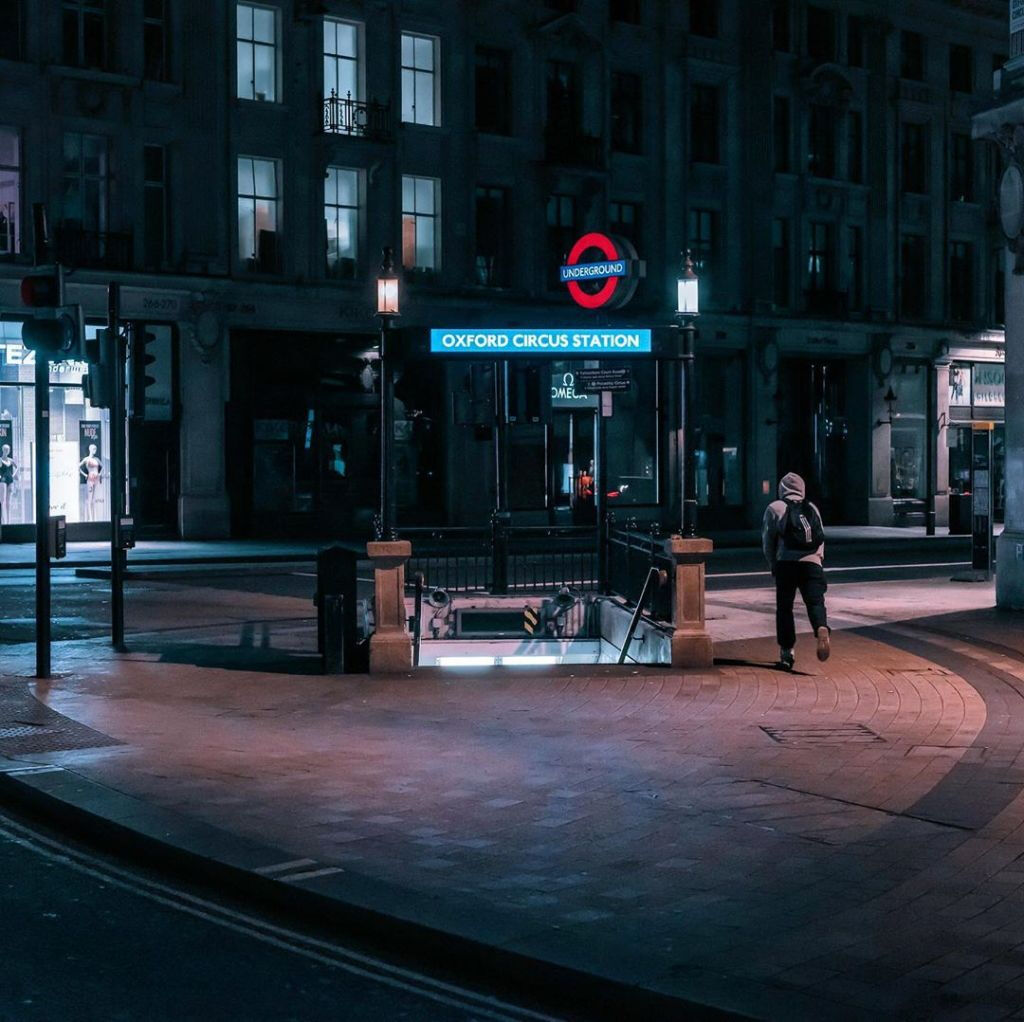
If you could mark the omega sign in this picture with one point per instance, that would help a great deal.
(606, 283)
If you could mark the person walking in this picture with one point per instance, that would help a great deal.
(793, 541)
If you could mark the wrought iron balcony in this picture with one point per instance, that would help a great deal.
(97, 249)
(573, 148)
(344, 115)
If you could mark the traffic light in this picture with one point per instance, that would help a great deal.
(98, 382)
(140, 358)
(55, 330)
(41, 290)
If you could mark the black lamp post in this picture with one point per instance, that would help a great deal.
(387, 309)
(687, 310)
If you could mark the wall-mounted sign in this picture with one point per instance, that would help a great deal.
(539, 341)
(566, 393)
(617, 379)
(595, 282)
(989, 385)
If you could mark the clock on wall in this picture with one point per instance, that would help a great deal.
(1011, 201)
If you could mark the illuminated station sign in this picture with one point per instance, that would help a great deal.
(601, 271)
(565, 341)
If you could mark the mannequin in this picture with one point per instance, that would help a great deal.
(90, 468)
(8, 475)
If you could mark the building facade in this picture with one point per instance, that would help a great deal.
(237, 168)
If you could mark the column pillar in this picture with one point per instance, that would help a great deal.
(390, 644)
(940, 431)
(691, 643)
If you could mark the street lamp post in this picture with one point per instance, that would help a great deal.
(687, 310)
(387, 309)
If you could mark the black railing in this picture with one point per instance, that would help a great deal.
(344, 115)
(633, 550)
(99, 249)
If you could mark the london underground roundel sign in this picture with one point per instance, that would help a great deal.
(601, 283)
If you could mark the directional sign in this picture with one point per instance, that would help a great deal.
(615, 379)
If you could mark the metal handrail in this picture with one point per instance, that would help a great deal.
(655, 576)
(417, 619)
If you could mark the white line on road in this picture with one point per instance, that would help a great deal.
(836, 571)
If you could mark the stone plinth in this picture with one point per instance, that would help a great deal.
(691, 643)
(391, 643)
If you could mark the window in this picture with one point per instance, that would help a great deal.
(492, 237)
(961, 281)
(702, 241)
(154, 204)
(961, 171)
(821, 156)
(704, 126)
(780, 25)
(421, 223)
(258, 214)
(84, 30)
(961, 69)
(419, 79)
(912, 158)
(780, 133)
(625, 10)
(855, 267)
(624, 219)
(912, 56)
(493, 91)
(821, 34)
(855, 144)
(154, 41)
(256, 52)
(855, 41)
(342, 72)
(780, 263)
(821, 258)
(561, 233)
(627, 112)
(12, 18)
(341, 215)
(85, 182)
(10, 191)
(563, 98)
(704, 17)
(912, 276)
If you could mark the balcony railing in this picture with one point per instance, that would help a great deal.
(105, 250)
(573, 149)
(344, 115)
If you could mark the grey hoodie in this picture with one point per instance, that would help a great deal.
(791, 487)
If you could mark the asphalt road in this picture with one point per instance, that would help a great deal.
(84, 937)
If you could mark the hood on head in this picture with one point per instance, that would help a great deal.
(791, 487)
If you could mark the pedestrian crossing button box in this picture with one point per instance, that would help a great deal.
(125, 532)
(57, 533)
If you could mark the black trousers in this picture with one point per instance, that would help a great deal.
(809, 578)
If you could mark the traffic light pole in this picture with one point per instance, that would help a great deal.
(42, 465)
(117, 469)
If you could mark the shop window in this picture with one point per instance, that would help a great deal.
(855, 41)
(961, 171)
(259, 214)
(631, 435)
(341, 214)
(912, 56)
(629, 11)
(705, 127)
(720, 427)
(79, 439)
(256, 51)
(821, 34)
(909, 432)
(10, 191)
(343, 73)
(561, 233)
(421, 224)
(855, 267)
(84, 33)
(493, 91)
(855, 146)
(155, 219)
(626, 219)
(821, 155)
(492, 232)
(626, 112)
(12, 14)
(154, 40)
(704, 18)
(781, 259)
(780, 26)
(961, 281)
(420, 79)
(781, 137)
(913, 158)
(913, 266)
(961, 68)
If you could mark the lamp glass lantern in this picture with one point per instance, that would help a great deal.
(387, 286)
(687, 291)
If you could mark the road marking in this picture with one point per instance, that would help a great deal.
(334, 955)
(835, 571)
(280, 867)
(326, 871)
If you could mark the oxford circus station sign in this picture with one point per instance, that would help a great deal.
(601, 271)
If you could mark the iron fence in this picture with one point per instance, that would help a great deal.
(633, 550)
(344, 115)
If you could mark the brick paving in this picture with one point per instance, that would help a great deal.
(844, 841)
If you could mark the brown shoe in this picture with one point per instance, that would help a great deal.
(824, 648)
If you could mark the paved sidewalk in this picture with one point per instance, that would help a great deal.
(844, 841)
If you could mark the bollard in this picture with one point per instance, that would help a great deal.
(336, 631)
